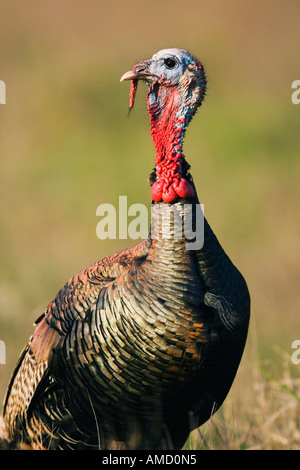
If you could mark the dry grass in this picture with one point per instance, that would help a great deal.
(262, 410)
(270, 423)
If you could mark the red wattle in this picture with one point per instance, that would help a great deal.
(185, 189)
(169, 195)
(157, 190)
(160, 191)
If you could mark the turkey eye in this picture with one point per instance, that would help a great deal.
(170, 63)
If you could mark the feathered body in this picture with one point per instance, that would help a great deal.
(141, 347)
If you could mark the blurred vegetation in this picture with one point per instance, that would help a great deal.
(67, 145)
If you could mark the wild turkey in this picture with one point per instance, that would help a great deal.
(142, 347)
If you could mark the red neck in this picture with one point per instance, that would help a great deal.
(167, 131)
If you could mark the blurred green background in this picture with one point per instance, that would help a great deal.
(68, 145)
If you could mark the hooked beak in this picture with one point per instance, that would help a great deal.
(139, 72)
(131, 75)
